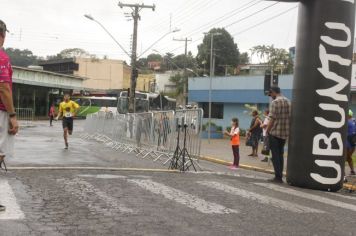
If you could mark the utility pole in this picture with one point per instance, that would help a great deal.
(212, 72)
(185, 84)
(136, 8)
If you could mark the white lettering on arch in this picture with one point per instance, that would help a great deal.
(336, 42)
(328, 151)
(332, 92)
(331, 124)
(325, 180)
(352, 1)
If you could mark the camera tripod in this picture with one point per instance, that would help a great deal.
(181, 158)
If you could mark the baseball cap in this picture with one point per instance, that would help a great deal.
(3, 27)
(351, 112)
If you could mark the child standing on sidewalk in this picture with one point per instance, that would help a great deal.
(234, 134)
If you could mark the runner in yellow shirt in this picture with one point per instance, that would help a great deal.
(67, 110)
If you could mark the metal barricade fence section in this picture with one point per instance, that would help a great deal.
(25, 116)
(152, 135)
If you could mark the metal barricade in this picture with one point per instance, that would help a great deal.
(162, 135)
(153, 135)
(25, 116)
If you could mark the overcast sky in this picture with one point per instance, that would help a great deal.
(48, 26)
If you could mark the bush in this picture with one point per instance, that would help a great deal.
(213, 125)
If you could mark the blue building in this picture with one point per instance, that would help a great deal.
(231, 94)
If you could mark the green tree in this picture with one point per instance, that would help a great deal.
(277, 58)
(181, 61)
(167, 62)
(244, 58)
(154, 57)
(142, 63)
(225, 50)
(178, 80)
(74, 52)
(70, 53)
(22, 58)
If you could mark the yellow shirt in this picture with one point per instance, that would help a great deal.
(68, 109)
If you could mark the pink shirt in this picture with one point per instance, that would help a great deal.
(5, 72)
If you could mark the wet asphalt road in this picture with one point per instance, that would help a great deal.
(135, 201)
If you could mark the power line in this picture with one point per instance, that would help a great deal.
(226, 16)
(238, 21)
(265, 21)
(181, 14)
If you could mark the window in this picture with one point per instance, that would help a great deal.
(217, 110)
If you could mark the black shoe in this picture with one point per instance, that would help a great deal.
(275, 180)
(265, 160)
(67, 146)
(3, 165)
(2, 208)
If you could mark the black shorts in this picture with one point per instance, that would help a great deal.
(67, 123)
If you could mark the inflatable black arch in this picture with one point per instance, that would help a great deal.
(323, 68)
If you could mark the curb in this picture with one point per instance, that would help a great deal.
(242, 166)
(350, 187)
(91, 168)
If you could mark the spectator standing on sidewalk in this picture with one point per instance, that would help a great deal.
(264, 126)
(278, 130)
(8, 122)
(234, 135)
(351, 141)
(254, 133)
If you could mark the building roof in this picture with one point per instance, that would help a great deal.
(56, 61)
(49, 73)
(235, 89)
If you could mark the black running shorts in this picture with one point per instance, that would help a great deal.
(68, 123)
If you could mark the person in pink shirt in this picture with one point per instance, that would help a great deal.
(52, 114)
(8, 122)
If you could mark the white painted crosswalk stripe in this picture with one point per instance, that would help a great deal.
(87, 194)
(183, 198)
(341, 195)
(263, 199)
(317, 198)
(8, 199)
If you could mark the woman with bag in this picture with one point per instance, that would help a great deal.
(254, 133)
(234, 135)
(264, 125)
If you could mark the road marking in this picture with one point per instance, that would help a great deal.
(88, 194)
(341, 195)
(231, 174)
(181, 197)
(103, 176)
(92, 168)
(263, 199)
(8, 199)
(309, 196)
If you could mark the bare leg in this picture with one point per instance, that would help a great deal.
(349, 158)
(65, 136)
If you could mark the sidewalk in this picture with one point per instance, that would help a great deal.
(221, 149)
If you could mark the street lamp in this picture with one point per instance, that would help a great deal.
(212, 70)
(102, 26)
(170, 32)
(191, 70)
